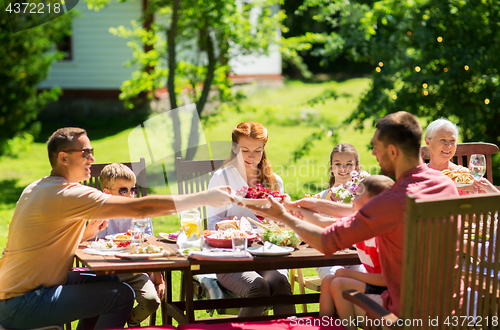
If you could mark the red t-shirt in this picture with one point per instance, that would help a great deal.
(383, 217)
(368, 255)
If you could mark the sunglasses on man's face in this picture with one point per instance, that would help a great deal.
(86, 152)
(124, 191)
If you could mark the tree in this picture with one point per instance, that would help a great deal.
(25, 60)
(193, 51)
(432, 58)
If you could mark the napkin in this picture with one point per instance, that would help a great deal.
(222, 255)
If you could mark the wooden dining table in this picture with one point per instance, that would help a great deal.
(183, 310)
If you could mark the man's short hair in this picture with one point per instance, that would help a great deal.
(112, 172)
(401, 129)
(62, 139)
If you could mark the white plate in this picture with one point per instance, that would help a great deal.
(260, 202)
(121, 240)
(99, 252)
(167, 238)
(273, 250)
(110, 249)
(463, 185)
(139, 256)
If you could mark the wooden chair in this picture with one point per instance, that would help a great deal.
(194, 176)
(309, 282)
(463, 152)
(449, 244)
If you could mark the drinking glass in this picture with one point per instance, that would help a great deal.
(239, 246)
(477, 166)
(138, 228)
(190, 236)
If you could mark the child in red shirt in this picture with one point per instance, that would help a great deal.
(372, 282)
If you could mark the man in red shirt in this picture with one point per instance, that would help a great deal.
(396, 145)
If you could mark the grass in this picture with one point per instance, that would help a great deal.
(280, 110)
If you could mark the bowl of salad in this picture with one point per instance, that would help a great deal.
(283, 237)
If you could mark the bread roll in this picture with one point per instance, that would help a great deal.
(226, 224)
(245, 225)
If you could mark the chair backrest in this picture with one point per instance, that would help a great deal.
(451, 243)
(464, 150)
(139, 169)
(194, 176)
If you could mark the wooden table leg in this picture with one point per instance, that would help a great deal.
(188, 279)
(168, 298)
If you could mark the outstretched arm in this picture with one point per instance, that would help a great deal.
(161, 205)
(324, 206)
(308, 215)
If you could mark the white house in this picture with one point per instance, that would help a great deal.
(95, 66)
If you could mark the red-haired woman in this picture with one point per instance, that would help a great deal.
(248, 166)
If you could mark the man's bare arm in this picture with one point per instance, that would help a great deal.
(323, 206)
(309, 216)
(161, 205)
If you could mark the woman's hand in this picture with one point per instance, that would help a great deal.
(293, 210)
(275, 212)
(484, 186)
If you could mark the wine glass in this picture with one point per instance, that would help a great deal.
(477, 166)
(139, 226)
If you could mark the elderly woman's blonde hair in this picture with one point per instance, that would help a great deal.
(436, 125)
(112, 172)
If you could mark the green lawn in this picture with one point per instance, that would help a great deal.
(278, 109)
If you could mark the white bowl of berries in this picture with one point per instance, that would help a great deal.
(258, 196)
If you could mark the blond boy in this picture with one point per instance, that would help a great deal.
(119, 180)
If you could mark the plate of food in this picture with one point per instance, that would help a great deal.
(269, 249)
(109, 245)
(146, 252)
(461, 177)
(222, 237)
(169, 237)
(258, 196)
(123, 237)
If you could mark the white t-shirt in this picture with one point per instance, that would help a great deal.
(229, 176)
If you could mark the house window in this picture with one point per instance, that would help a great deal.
(65, 47)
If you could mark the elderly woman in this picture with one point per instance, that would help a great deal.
(441, 138)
